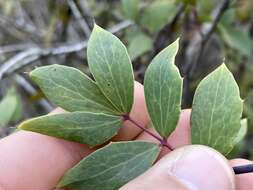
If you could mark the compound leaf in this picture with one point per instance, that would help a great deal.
(83, 127)
(111, 67)
(216, 111)
(163, 90)
(71, 89)
(111, 167)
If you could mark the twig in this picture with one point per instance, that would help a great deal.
(77, 14)
(15, 47)
(206, 32)
(197, 46)
(29, 56)
(162, 141)
(164, 33)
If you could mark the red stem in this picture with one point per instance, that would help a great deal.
(163, 142)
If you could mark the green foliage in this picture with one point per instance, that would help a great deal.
(111, 167)
(70, 89)
(163, 89)
(131, 9)
(237, 39)
(112, 69)
(242, 132)
(10, 108)
(98, 109)
(157, 14)
(139, 45)
(83, 127)
(216, 111)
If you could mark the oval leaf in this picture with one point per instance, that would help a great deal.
(131, 8)
(71, 89)
(242, 132)
(10, 108)
(111, 67)
(111, 167)
(216, 111)
(163, 91)
(139, 45)
(83, 127)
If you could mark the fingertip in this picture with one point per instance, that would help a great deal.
(29, 160)
(189, 167)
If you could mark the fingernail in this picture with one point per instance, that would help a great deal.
(200, 168)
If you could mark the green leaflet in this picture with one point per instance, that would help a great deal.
(237, 39)
(71, 89)
(10, 108)
(83, 127)
(139, 44)
(163, 90)
(131, 8)
(111, 167)
(111, 67)
(157, 14)
(216, 111)
(242, 132)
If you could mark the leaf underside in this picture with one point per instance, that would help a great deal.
(111, 167)
(163, 90)
(71, 89)
(216, 111)
(112, 69)
(84, 127)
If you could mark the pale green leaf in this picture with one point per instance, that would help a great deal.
(163, 90)
(9, 107)
(157, 14)
(236, 39)
(71, 89)
(216, 111)
(242, 132)
(131, 8)
(111, 167)
(139, 45)
(83, 127)
(111, 67)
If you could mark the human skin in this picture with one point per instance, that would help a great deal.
(31, 161)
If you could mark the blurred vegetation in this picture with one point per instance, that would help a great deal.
(35, 33)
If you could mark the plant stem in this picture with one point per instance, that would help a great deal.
(163, 142)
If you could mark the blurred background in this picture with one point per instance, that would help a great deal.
(42, 32)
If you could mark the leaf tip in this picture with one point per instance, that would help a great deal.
(175, 44)
(22, 126)
(97, 28)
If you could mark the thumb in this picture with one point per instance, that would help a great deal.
(193, 167)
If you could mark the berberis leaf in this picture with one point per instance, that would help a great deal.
(83, 127)
(71, 89)
(163, 90)
(216, 111)
(112, 69)
(111, 167)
